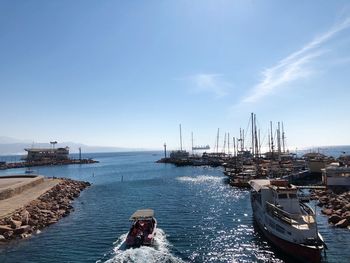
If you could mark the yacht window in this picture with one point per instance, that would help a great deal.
(282, 196)
(292, 196)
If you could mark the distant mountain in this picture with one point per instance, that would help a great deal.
(9, 146)
(8, 140)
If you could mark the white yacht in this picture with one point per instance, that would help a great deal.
(287, 223)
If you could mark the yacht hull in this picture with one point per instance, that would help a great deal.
(300, 252)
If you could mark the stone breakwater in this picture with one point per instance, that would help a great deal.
(42, 212)
(45, 163)
(335, 205)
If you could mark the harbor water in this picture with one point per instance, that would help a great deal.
(200, 217)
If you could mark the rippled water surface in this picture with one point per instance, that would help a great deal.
(200, 217)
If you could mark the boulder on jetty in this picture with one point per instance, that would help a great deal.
(42, 212)
(336, 205)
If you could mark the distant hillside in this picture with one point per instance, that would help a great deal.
(9, 146)
(9, 140)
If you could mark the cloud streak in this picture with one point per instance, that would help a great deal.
(294, 66)
(211, 83)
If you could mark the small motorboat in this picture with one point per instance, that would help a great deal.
(143, 228)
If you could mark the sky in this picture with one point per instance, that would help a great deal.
(127, 73)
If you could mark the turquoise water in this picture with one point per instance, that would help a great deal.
(200, 217)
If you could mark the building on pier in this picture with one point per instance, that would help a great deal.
(47, 154)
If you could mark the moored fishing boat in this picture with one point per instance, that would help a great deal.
(242, 179)
(143, 228)
(286, 222)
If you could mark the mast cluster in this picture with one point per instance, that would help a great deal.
(276, 141)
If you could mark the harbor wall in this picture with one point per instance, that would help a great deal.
(46, 210)
(18, 188)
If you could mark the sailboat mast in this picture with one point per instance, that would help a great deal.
(180, 138)
(224, 148)
(259, 151)
(256, 138)
(272, 148)
(192, 141)
(228, 143)
(283, 139)
(279, 140)
(242, 139)
(217, 141)
(252, 119)
(234, 146)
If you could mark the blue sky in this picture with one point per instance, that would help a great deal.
(126, 73)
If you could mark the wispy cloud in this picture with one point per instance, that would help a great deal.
(295, 66)
(211, 83)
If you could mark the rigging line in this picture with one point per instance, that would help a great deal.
(263, 140)
(275, 137)
(248, 126)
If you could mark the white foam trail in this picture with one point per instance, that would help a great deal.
(199, 179)
(159, 252)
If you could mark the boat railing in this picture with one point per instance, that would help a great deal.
(307, 209)
(281, 214)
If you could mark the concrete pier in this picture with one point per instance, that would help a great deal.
(29, 203)
(19, 190)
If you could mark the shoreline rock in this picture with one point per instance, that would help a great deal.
(48, 209)
(335, 205)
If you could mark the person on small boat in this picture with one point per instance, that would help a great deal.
(143, 228)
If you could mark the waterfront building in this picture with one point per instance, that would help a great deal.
(45, 154)
(180, 154)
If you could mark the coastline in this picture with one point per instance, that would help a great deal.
(46, 210)
(335, 205)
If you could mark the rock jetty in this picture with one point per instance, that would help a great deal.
(42, 212)
(336, 205)
(24, 164)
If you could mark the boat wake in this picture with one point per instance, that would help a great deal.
(159, 252)
(200, 179)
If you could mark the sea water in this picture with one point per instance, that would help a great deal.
(201, 218)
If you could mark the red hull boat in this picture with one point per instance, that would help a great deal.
(287, 223)
(143, 228)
